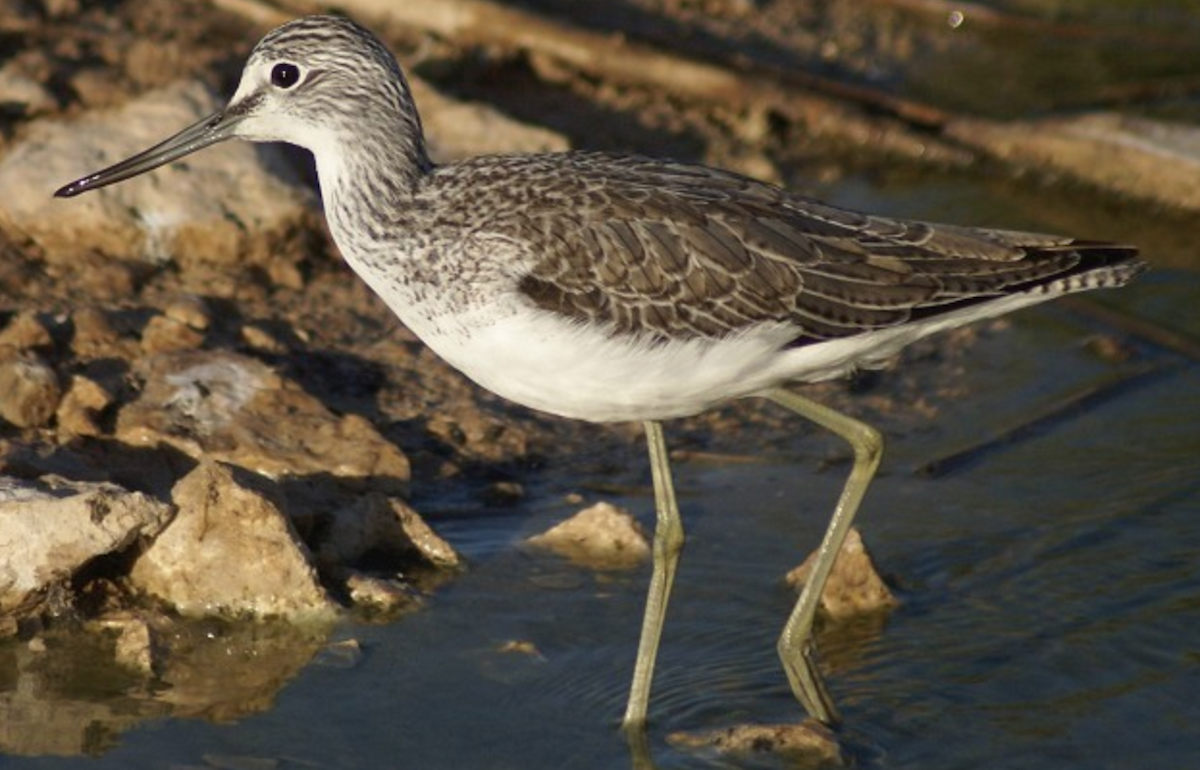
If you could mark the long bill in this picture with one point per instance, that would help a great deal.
(215, 128)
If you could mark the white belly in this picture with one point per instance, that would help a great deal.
(574, 370)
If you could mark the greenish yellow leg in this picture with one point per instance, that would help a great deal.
(796, 648)
(668, 543)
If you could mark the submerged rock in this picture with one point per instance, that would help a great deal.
(602, 536)
(854, 587)
(808, 744)
(153, 666)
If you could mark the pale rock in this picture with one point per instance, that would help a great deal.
(808, 744)
(229, 551)
(137, 646)
(223, 209)
(601, 536)
(19, 91)
(164, 334)
(380, 595)
(84, 401)
(854, 586)
(190, 310)
(262, 339)
(29, 390)
(225, 406)
(51, 527)
(25, 332)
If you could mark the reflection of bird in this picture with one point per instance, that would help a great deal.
(606, 287)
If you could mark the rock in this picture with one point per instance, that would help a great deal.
(602, 536)
(93, 332)
(458, 130)
(137, 647)
(26, 332)
(1125, 154)
(51, 527)
(19, 92)
(344, 654)
(29, 391)
(77, 412)
(163, 334)
(225, 209)
(262, 339)
(379, 524)
(228, 407)
(521, 647)
(189, 310)
(808, 744)
(229, 551)
(380, 595)
(854, 585)
(504, 493)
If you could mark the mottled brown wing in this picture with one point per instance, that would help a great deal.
(685, 251)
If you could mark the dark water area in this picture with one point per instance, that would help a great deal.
(1050, 587)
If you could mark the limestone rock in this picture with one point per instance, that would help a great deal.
(602, 536)
(224, 406)
(219, 210)
(230, 550)
(190, 310)
(854, 587)
(51, 527)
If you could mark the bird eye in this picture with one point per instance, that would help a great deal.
(285, 75)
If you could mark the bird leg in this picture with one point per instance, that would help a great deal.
(668, 544)
(796, 648)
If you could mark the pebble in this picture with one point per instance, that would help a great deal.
(163, 334)
(29, 391)
(84, 401)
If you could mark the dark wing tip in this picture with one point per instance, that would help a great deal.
(1112, 264)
